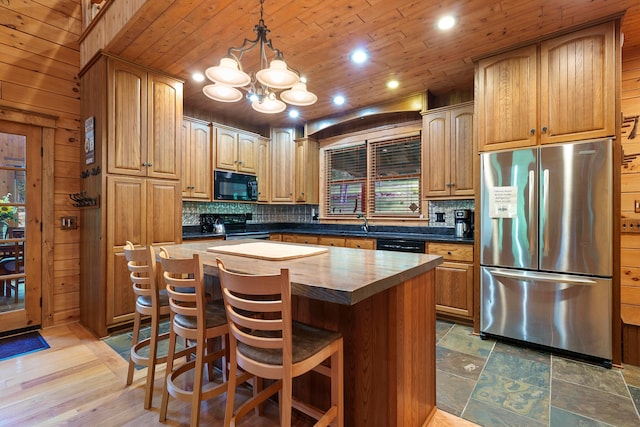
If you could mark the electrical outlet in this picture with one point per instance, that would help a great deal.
(636, 205)
(68, 222)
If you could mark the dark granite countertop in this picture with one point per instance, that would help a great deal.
(425, 234)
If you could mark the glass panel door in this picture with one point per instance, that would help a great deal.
(20, 202)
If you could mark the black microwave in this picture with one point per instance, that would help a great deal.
(235, 186)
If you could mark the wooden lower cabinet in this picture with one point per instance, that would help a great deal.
(454, 279)
(348, 242)
(143, 211)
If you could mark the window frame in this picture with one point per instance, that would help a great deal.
(385, 137)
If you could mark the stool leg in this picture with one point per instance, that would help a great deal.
(134, 341)
(167, 375)
(196, 397)
(151, 367)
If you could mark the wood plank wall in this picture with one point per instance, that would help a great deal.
(39, 64)
(630, 189)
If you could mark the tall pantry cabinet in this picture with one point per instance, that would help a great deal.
(133, 173)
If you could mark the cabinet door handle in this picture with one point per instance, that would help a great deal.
(449, 253)
(532, 132)
(544, 129)
(149, 164)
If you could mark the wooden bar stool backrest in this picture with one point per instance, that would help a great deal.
(141, 264)
(184, 279)
(200, 323)
(266, 342)
(142, 271)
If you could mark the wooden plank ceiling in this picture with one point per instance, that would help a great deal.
(181, 37)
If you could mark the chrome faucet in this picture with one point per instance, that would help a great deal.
(365, 224)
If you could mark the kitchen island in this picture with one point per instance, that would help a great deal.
(384, 305)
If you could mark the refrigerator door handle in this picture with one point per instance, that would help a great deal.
(532, 207)
(543, 278)
(544, 212)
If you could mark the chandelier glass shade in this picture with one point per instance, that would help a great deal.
(261, 87)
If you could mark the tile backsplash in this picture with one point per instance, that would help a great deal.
(447, 207)
(302, 213)
(260, 213)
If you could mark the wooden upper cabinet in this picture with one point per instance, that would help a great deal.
(236, 151)
(262, 169)
(578, 84)
(307, 170)
(506, 105)
(197, 177)
(282, 165)
(144, 123)
(560, 90)
(448, 151)
(164, 154)
(127, 121)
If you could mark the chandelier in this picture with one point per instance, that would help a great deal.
(262, 86)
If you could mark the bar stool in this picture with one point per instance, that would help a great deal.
(265, 342)
(199, 324)
(150, 301)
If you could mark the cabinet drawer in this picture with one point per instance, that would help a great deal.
(331, 241)
(360, 243)
(306, 239)
(451, 251)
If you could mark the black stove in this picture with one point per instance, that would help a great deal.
(233, 223)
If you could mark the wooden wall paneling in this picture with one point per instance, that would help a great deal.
(631, 344)
(39, 63)
(92, 291)
(118, 16)
(48, 24)
(630, 191)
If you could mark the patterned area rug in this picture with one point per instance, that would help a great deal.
(121, 341)
(19, 345)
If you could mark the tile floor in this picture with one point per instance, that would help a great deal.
(495, 384)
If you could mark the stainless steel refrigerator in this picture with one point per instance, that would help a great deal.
(546, 246)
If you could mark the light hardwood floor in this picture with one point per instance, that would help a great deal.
(80, 381)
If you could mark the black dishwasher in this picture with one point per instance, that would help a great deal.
(401, 245)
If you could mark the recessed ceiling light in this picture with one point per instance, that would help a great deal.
(199, 77)
(392, 84)
(446, 22)
(294, 113)
(338, 100)
(359, 56)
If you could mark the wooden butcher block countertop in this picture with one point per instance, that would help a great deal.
(339, 275)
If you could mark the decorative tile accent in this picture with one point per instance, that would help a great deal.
(516, 396)
(260, 213)
(447, 207)
(513, 366)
